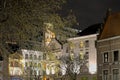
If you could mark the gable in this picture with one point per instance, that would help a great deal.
(54, 44)
(111, 27)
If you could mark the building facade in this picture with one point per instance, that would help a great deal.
(108, 48)
(32, 63)
(84, 46)
(109, 59)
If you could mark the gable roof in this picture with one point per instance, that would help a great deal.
(93, 29)
(111, 27)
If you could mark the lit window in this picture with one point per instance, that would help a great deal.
(106, 57)
(116, 55)
(81, 55)
(115, 74)
(105, 75)
(39, 65)
(81, 44)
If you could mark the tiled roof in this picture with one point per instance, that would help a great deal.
(93, 29)
(111, 27)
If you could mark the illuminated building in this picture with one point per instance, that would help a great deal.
(85, 47)
(32, 61)
(52, 53)
(108, 46)
(16, 66)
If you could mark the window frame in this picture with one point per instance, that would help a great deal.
(104, 61)
(115, 73)
(105, 77)
(114, 56)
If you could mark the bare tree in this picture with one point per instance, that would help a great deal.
(71, 65)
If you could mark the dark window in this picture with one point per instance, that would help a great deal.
(67, 50)
(35, 57)
(86, 56)
(86, 43)
(26, 56)
(115, 74)
(31, 57)
(1, 58)
(106, 57)
(116, 55)
(26, 64)
(39, 57)
(105, 75)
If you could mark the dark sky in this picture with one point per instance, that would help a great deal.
(89, 12)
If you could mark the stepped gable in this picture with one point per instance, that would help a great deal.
(111, 27)
(93, 29)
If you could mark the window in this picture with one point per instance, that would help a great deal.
(26, 64)
(86, 43)
(81, 55)
(67, 50)
(39, 57)
(31, 56)
(31, 64)
(115, 74)
(116, 55)
(105, 75)
(86, 56)
(106, 57)
(26, 56)
(35, 57)
(35, 64)
(81, 44)
(39, 65)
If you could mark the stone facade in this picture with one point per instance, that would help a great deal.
(108, 58)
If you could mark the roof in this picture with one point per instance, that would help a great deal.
(93, 29)
(112, 26)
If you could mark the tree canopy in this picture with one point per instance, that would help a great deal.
(22, 20)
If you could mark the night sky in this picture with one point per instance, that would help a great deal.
(90, 12)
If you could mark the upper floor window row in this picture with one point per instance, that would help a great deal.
(35, 57)
(115, 56)
(84, 44)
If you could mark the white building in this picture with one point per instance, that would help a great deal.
(32, 61)
(85, 45)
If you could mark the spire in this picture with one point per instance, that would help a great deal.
(108, 13)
